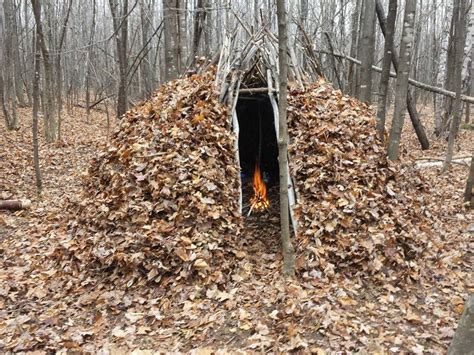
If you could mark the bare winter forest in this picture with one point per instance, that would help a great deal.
(236, 176)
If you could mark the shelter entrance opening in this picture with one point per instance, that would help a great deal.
(258, 153)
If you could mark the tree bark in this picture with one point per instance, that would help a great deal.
(145, 68)
(59, 79)
(50, 124)
(463, 341)
(367, 51)
(352, 75)
(469, 192)
(5, 112)
(386, 65)
(182, 45)
(460, 40)
(287, 246)
(303, 16)
(471, 89)
(89, 60)
(450, 70)
(406, 47)
(419, 130)
(9, 89)
(120, 22)
(14, 205)
(199, 20)
(13, 30)
(171, 39)
(36, 98)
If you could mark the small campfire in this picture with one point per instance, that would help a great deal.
(259, 202)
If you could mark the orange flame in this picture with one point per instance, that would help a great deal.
(259, 201)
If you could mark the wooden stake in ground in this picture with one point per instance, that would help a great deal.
(287, 246)
(406, 48)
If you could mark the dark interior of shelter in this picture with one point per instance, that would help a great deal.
(257, 139)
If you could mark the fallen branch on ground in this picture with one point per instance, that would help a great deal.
(14, 205)
(439, 162)
(442, 159)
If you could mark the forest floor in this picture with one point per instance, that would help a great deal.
(263, 312)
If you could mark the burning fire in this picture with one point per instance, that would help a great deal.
(259, 201)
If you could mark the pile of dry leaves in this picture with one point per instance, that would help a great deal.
(162, 199)
(160, 203)
(357, 211)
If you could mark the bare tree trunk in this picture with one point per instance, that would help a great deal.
(120, 21)
(50, 124)
(463, 340)
(420, 131)
(434, 53)
(469, 192)
(27, 61)
(199, 19)
(36, 98)
(303, 16)
(145, 68)
(13, 52)
(406, 47)
(5, 112)
(287, 246)
(367, 51)
(171, 39)
(460, 39)
(450, 72)
(352, 75)
(59, 79)
(89, 59)
(471, 89)
(182, 44)
(9, 96)
(387, 63)
(360, 48)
